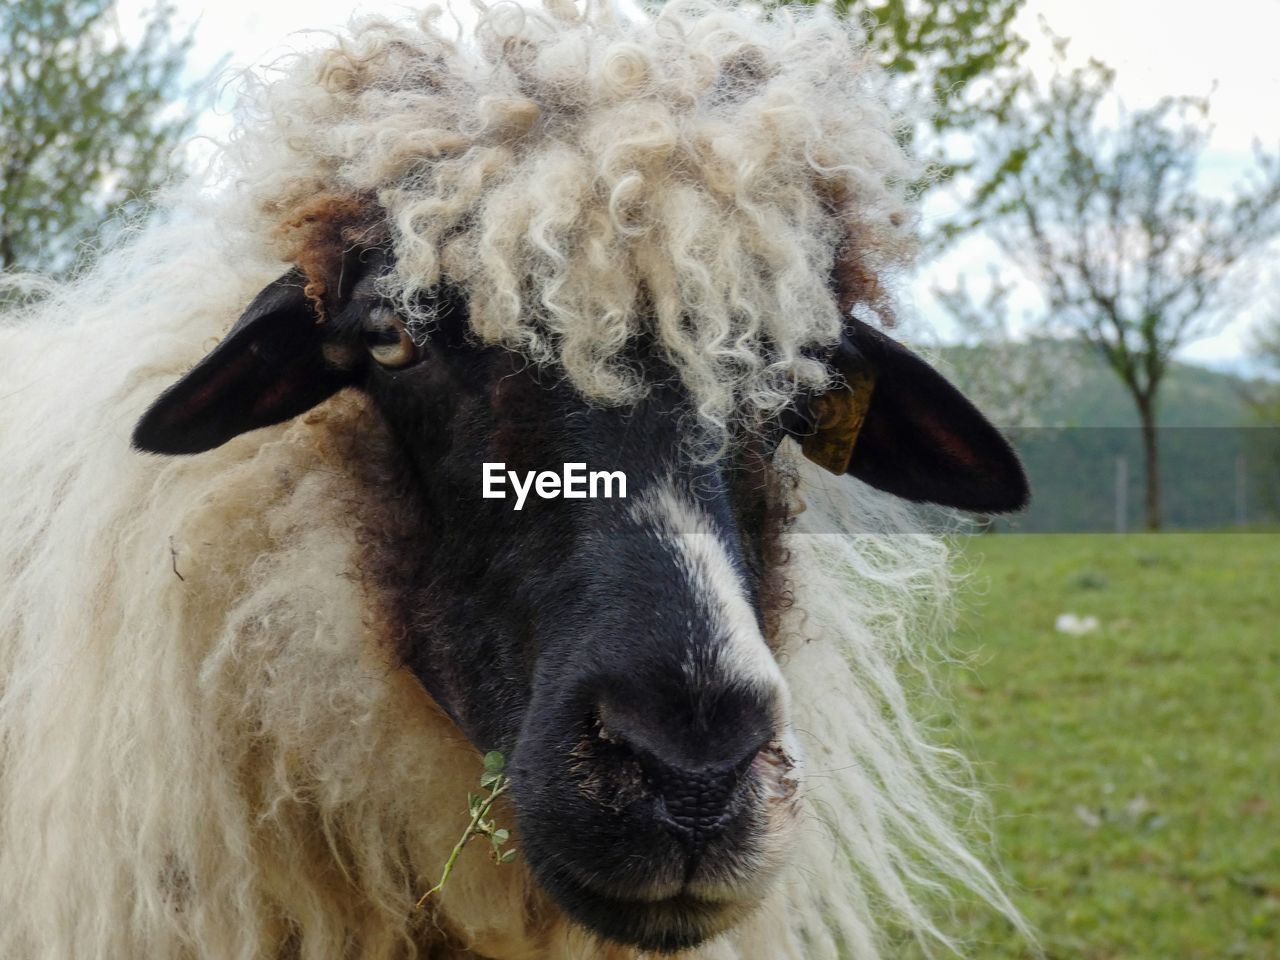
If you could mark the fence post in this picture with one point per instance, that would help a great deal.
(1122, 494)
(1242, 513)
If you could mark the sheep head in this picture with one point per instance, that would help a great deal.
(619, 652)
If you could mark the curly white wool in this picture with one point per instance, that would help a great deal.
(591, 182)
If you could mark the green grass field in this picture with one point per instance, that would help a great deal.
(1134, 772)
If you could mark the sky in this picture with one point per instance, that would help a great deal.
(1158, 47)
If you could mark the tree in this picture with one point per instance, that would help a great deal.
(87, 123)
(959, 55)
(957, 66)
(1110, 222)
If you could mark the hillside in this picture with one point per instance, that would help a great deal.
(1088, 394)
(1219, 467)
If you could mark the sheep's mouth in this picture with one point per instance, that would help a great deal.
(670, 925)
(622, 866)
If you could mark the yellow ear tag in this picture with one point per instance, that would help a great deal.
(840, 414)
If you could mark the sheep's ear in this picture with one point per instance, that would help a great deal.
(270, 367)
(897, 424)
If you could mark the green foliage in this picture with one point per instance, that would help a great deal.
(960, 55)
(87, 123)
(957, 70)
(1135, 771)
(495, 783)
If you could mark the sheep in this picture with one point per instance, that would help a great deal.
(259, 623)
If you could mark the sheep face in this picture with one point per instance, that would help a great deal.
(617, 650)
(613, 648)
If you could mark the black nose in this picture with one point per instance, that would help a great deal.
(693, 785)
(695, 803)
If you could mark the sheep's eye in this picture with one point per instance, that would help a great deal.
(387, 339)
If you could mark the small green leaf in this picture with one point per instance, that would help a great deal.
(473, 804)
(508, 856)
(501, 835)
(494, 762)
(490, 779)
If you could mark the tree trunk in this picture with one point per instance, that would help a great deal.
(1150, 460)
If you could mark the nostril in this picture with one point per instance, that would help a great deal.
(697, 800)
(690, 761)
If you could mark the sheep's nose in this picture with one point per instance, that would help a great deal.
(692, 775)
(694, 802)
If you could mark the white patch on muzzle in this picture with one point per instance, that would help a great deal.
(743, 653)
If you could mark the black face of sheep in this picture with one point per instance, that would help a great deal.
(615, 649)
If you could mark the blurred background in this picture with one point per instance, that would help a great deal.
(1100, 226)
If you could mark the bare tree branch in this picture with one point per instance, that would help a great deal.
(1110, 221)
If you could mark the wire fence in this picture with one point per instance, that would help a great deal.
(1093, 479)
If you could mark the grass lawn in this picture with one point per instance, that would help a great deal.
(1134, 771)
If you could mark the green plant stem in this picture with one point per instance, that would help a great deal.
(473, 830)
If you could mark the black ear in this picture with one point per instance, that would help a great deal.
(270, 367)
(899, 425)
